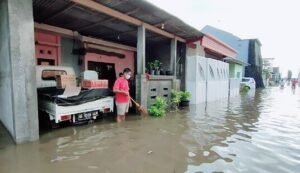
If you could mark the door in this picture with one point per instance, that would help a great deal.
(105, 71)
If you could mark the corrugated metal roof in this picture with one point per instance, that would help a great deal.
(66, 14)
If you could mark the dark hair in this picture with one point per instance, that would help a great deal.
(120, 74)
(126, 70)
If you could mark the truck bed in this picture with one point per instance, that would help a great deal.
(52, 93)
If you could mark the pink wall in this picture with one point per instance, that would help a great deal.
(217, 46)
(48, 47)
(120, 64)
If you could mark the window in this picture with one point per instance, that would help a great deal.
(245, 80)
(51, 74)
(238, 74)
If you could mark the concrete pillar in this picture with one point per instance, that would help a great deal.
(173, 58)
(18, 98)
(141, 66)
(141, 50)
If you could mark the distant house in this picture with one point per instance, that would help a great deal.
(248, 53)
(256, 64)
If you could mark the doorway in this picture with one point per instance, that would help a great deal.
(105, 71)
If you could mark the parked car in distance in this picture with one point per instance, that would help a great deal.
(248, 82)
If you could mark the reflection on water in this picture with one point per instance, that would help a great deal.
(257, 132)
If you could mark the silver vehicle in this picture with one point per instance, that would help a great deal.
(248, 82)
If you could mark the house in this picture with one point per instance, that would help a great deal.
(241, 46)
(248, 53)
(105, 36)
(254, 70)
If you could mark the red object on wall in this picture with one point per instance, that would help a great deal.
(47, 49)
(94, 84)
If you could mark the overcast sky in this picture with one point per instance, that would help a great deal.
(275, 23)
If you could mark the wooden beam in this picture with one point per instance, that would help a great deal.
(71, 34)
(54, 30)
(121, 16)
(108, 11)
(106, 43)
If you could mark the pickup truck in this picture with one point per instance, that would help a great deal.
(82, 108)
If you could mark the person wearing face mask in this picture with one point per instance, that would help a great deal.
(122, 97)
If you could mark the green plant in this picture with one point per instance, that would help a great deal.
(175, 97)
(244, 88)
(160, 103)
(156, 112)
(158, 109)
(185, 95)
(151, 65)
(157, 64)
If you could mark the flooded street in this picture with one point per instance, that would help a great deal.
(252, 133)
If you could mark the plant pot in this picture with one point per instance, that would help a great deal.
(157, 72)
(162, 72)
(169, 73)
(152, 72)
(184, 103)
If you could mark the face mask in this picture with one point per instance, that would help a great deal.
(127, 76)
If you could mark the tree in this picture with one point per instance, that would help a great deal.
(289, 75)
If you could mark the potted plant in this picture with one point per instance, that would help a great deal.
(151, 68)
(184, 99)
(158, 109)
(175, 99)
(157, 64)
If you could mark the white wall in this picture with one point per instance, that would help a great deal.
(217, 81)
(234, 87)
(207, 79)
(196, 78)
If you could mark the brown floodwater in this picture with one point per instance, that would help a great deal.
(256, 132)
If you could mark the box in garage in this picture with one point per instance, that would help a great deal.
(94, 84)
(64, 80)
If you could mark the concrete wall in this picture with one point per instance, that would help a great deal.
(18, 99)
(5, 71)
(218, 83)
(197, 51)
(234, 87)
(196, 78)
(67, 58)
(207, 79)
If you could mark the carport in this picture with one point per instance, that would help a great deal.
(108, 26)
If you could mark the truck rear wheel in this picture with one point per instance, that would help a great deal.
(53, 124)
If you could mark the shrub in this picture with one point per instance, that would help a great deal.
(156, 112)
(175, 97)
(244, 88)
(185, 95)
(158, 109)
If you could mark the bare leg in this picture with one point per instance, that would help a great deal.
(123, 117)
(119, 118)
